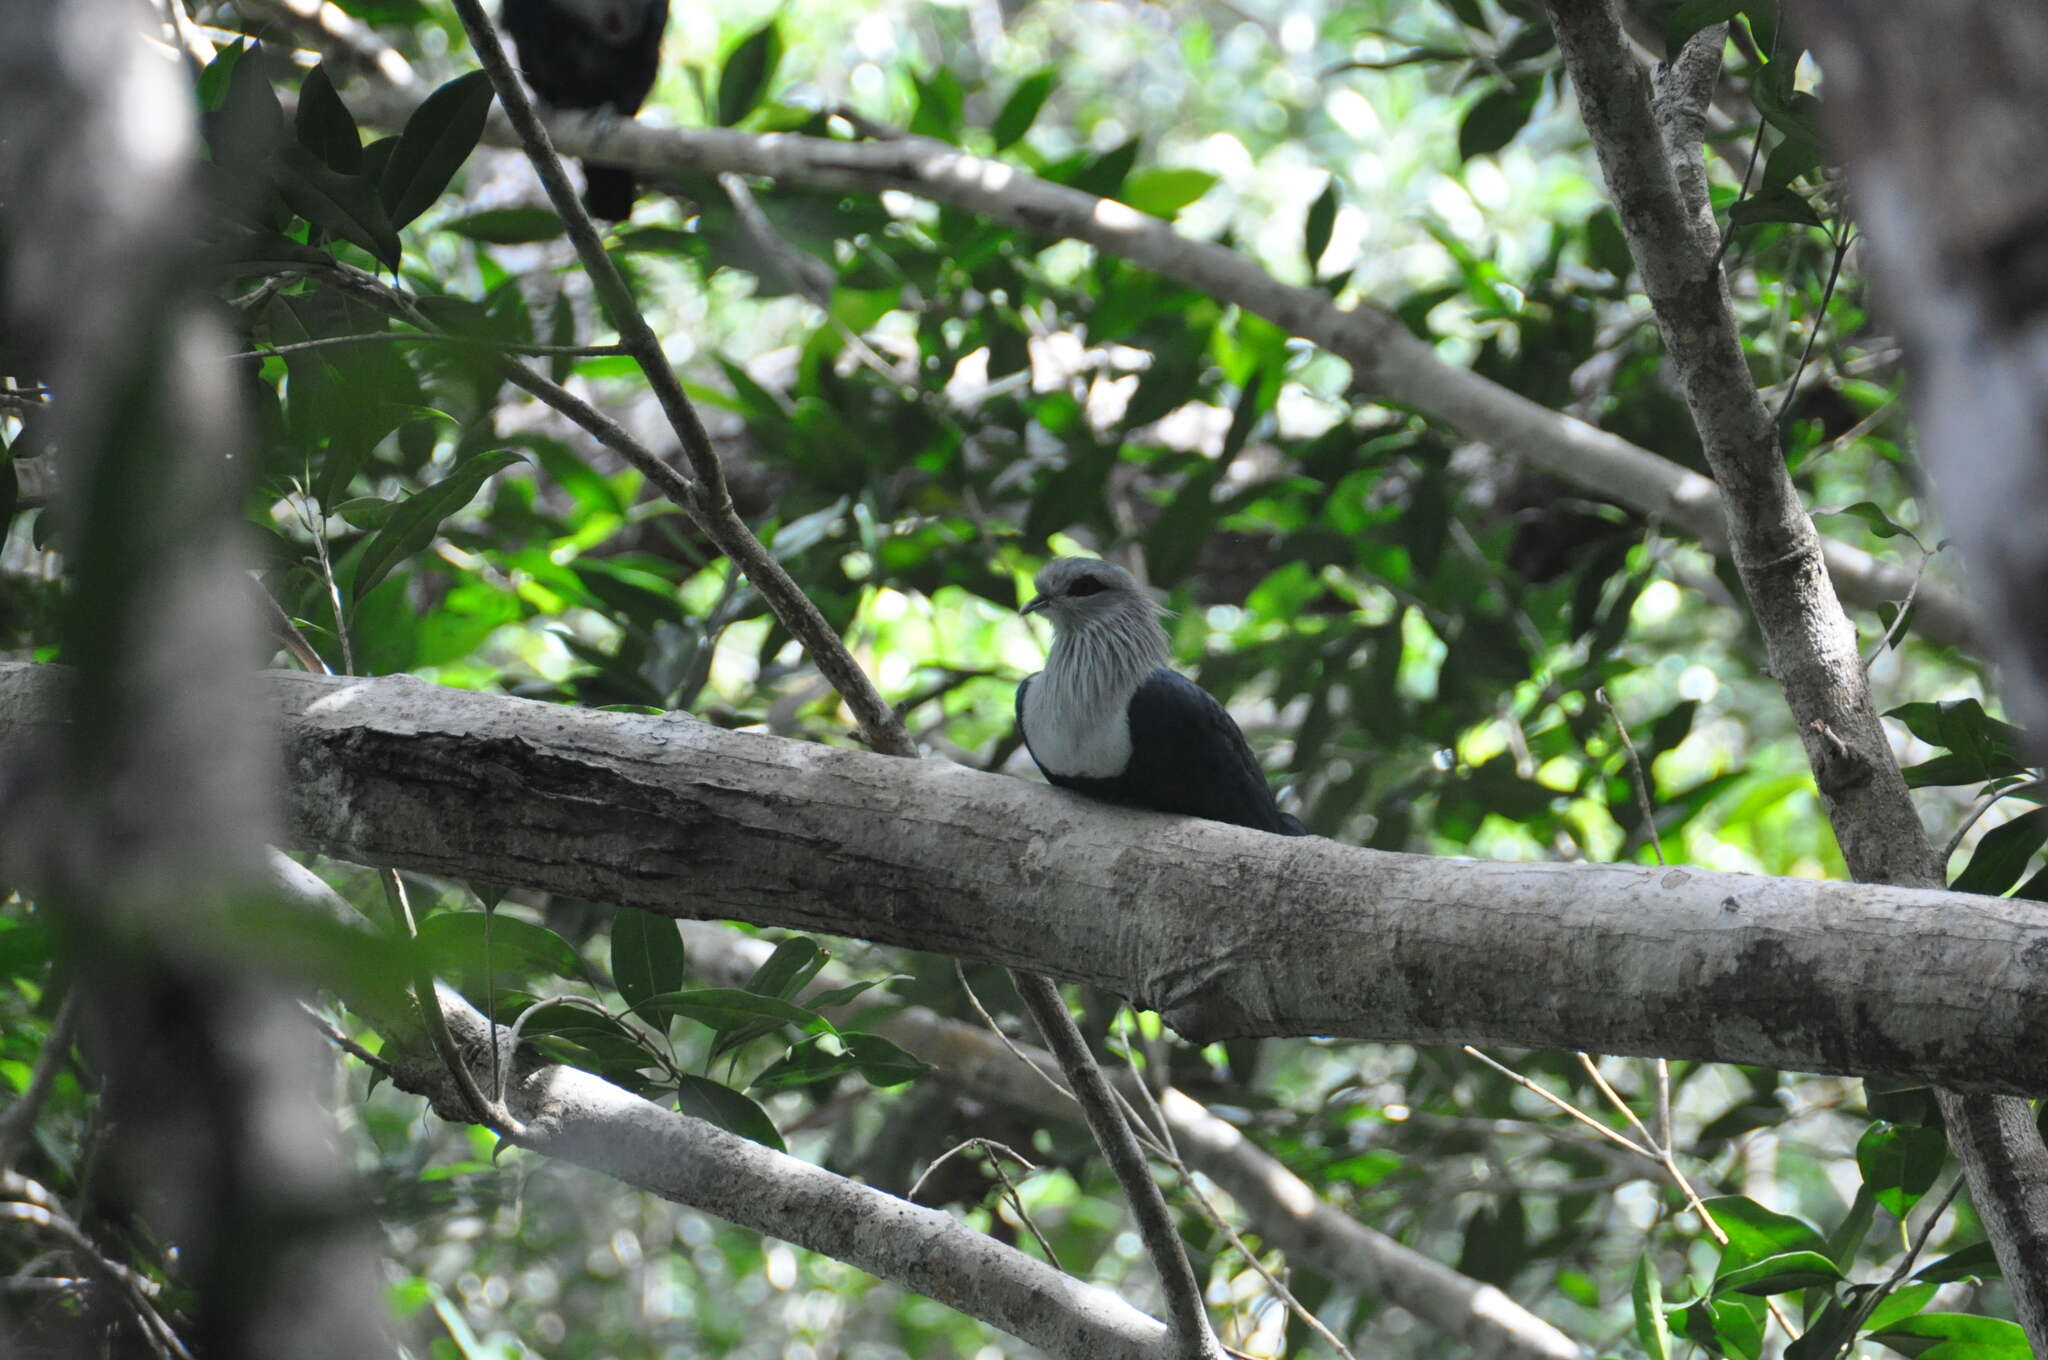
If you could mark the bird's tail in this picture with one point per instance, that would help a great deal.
(608, 191)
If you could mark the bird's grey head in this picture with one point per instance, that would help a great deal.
(1097, 605)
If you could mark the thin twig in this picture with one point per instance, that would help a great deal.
(1869, 1302)
(347, 1045)
(997, 1030)
(990, 1148)
(21, 1116)
(879, 726)
(1188, 1318)
(1820, 322)
(1898, 622)
(288, 633)
(425, 337)
(28, 1202)
(1574, 1111)
(1251, 1258)
(1635, 770)
(1978, 810)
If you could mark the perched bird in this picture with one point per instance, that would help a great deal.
(1108, 719)
(591, 54)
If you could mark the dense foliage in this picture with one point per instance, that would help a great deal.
(1434, 647)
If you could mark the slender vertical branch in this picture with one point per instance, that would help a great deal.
(708, 498)
(1811, 643)
(1184, 1309)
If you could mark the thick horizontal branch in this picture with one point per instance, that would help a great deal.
(1229, 931)
(1388, 361)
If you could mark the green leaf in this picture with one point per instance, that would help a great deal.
(414, 521)
(1021, 109)
(1900, 1163)
(325, 126)
(1790, 159)
(2003, 855)
(1779, 1274)
(587, 1038)
(25, 948)
(1900, 1305)
(881, 1062)
(789, 969)
(1694, 15)
(824, 1057)
(1872, 514)
(728, 1009)
(1493, 122)
(747, 73)
(508, 226)
(437, 139)
(219, 73)
(267, 252)
(1980, 746)
(468, 944)
(839, 996)
(731, 1110)
(807, 531)
(1322, 220)
(1164, 192)
(1774, 205)
(941, 106)
(1725, 1326)
(249, 127)
(1756, 1233)
(1956, 1336)
(1101, 175)
(647, 955)
(347, 206)
(1979, 1262)
(1648, 1296)
(1845, 1243)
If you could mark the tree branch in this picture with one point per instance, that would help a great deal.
(1933, 105)
(1388, 362)
(880, 726)
(1237, 933)
(1279, 1205)
(1811, 644)
(1191, 1332)
(576, 1117)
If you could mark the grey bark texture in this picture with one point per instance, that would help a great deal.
(139, 824)
(1941, 111)
(580, 1118)
(1232, 931)
(1811, 644)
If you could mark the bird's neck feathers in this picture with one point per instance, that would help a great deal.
(615, 21)
(1096, 664)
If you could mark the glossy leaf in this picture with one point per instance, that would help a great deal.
(733, 1111)
(747, 73)
(437, 139)
(415, 521)
(647, 955)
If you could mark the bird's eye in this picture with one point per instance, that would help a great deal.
(1087, 585)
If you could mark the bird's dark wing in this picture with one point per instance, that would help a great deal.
(1189, 756)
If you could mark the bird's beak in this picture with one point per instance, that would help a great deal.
(1036, 605)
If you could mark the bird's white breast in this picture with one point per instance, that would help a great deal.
(1073, 736)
